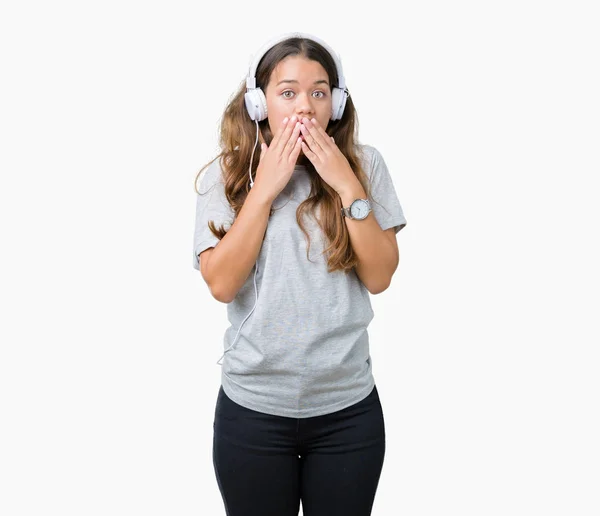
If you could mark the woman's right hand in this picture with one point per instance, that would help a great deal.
(276, 163)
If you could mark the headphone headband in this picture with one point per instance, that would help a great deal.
(251, 79)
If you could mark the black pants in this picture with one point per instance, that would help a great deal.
(266, 464)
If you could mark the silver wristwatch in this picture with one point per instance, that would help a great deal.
(358, 210)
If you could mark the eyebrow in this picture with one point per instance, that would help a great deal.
(296, 82)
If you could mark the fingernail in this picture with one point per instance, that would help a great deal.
(285, 120)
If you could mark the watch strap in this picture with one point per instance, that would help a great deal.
(346, 212)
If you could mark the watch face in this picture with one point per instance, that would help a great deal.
(359, 209)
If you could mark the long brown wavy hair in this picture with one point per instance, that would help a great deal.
(238, 137)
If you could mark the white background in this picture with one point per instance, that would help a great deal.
(485, 347)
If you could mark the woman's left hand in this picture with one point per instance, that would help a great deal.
(326, 156)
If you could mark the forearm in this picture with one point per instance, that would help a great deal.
(377, 256)
(236, 253)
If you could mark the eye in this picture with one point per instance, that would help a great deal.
(322, 94)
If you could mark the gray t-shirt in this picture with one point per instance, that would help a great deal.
(303, 347)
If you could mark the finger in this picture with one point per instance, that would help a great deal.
(292, 140)
(285, 136)
(320, 135)
(296, 150)
(308, 153)
(312, 144)
(263, 150)
(279, 132)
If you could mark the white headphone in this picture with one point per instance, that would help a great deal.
(256, 102)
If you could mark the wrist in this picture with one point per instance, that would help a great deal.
(259, 197)
(351, 192)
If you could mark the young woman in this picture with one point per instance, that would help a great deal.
(294, 238)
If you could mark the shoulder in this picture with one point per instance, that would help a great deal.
(370, 157)
(212, 174)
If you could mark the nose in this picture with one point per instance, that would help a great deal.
(304, 106)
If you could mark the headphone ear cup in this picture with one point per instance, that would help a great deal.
(338, 102)
(256, 104)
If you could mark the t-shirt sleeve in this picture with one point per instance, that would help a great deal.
(211, 204)
(384, 200)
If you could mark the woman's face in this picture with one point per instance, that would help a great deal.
(298, 86)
